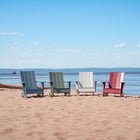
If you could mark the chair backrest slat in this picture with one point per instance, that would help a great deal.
(57, 79)
(29, 78)
(86, 79)
(115, 79)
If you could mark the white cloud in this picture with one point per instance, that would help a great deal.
(120, 45)
(36, 43)
(74, 57)
(29, 52)
(22, 35)
(134, 53)
(14, 47)
(138, 45)
(68, 50)
(118, 56)
(11, 33)
(4, 33)
(15, 43)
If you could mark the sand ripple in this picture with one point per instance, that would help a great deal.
(68, 118)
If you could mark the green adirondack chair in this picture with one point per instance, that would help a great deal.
(28, 81)
(57, 84)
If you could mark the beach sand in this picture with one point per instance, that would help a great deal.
(68, 118)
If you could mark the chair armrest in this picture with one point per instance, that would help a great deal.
(51, 83)
(69, 83)
(122, 85)
(23, 84)
(77, 84)
(103, 82)
(42, 84)
(41, 81)
(95, 84)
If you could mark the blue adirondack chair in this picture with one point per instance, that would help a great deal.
(29, 84)
(57, 83)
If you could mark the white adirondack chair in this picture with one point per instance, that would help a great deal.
(85, 83)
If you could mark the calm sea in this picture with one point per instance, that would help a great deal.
(131, 79)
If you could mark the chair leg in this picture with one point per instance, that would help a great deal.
(51, 94)
(22, 94)
(121, 95)
(105, 94)
(78, 93)
(93, 93)
(42, 94)
(38, 94)
(25, 95)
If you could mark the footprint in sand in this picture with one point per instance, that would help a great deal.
(34, 133)
(61, 135)
(99, 131)
(30, 134)
(121, 138)
(8, 130)
(105, 122)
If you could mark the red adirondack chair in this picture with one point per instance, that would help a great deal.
(115, 84)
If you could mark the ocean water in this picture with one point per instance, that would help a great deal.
(131, 79)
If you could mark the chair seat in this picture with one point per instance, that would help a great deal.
(61, 90)
(112, 90)
(31, 91)
(86, 89)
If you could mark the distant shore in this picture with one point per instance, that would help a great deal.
(15, 86)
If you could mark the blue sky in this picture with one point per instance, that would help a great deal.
(69, 33)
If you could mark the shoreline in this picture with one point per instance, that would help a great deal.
(15, 86)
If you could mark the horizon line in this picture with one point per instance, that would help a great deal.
(74, 68)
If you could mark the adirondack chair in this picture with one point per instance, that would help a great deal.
(115, 84)
(57, 83)
(29, 84)
(85, 83)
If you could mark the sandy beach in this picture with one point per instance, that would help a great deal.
(68, 118)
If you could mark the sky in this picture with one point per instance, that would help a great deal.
(69, 33)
